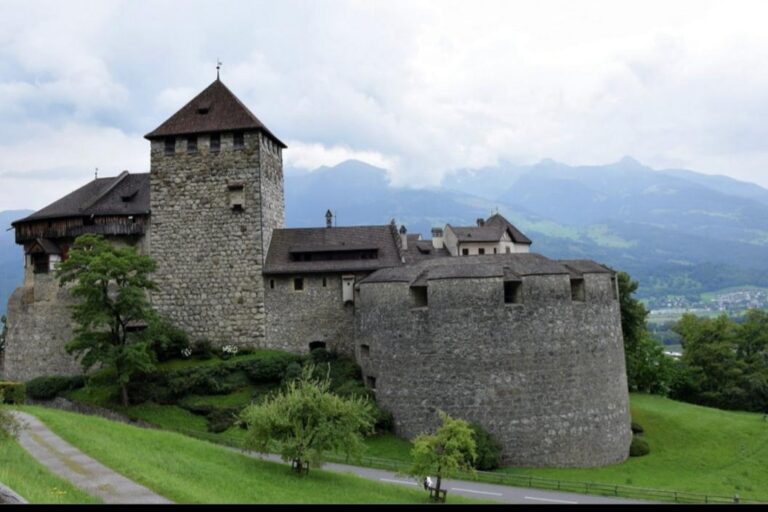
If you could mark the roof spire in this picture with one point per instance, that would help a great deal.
(96, 173)
(218, 66)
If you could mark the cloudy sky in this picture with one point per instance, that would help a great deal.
(421, 88)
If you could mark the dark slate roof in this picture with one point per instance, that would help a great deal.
(216, 109)
(510, 267)
(419, 250)
(126, 194)
(492, 231)
(285, 241)
(46, 245)
(581, 267)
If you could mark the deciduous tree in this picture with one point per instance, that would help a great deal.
(112, 284)
(451, 448)
(305, 420)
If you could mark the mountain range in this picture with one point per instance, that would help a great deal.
(676, 231)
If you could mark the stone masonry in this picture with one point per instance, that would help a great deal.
(210, 255)
(546, 376)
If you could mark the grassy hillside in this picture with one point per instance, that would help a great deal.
(188, 470)
(694, 449)
(22, 473)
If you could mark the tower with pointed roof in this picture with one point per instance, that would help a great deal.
(216, 189)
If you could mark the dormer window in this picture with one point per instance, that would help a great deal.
(192, 144)
(238, 140)
(170, 145)
(203, 109)
(215, 142)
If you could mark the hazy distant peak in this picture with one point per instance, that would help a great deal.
(629, 162)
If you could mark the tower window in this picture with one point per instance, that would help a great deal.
(238, 140)
(298, 283)
(215, 143)
(371, 381)
(577, 290)
(614, 293)
(236, 196)
(419, 295)
(512, 293)
(509, 249)
(272, 284)
(494, 250)
(192, 144)
(170, 145)
(325, 282)
(365, 350)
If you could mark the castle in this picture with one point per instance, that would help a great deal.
(470, 322)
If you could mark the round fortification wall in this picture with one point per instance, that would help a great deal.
(542, 370)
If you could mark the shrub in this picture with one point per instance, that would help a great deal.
(487, 447)
(202, 349)
(9, 427)
(353, 388)
(637, 428)
(13, 392)
(220, 420)
(385, 422)
(639, 447)
(270, 367)
(166, 340)
(292, 372)
(46, 388)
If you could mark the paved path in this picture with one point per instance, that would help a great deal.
(500, 493)
(84, 472)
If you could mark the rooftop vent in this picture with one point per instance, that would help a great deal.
(203, 109)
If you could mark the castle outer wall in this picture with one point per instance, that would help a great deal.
(210, 255)
(546, 376)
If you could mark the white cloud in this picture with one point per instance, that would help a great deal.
(419, 87)
(311, 156)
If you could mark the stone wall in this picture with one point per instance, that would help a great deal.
(210, 256)
(295, 318)
(39, 325)
(546, 377)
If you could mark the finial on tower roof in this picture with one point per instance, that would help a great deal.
(96, 173)
(218, 67)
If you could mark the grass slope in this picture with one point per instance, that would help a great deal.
(694, 449)
(188, 470)
(22, 473)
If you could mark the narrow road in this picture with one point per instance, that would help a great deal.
(84, 472)
(500, 493)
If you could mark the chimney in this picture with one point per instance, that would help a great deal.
(404, 237)
(437, 238)
(480, 223)
(328, 219)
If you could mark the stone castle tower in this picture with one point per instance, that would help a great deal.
(216, 189)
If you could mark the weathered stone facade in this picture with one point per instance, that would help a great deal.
(209, 254)
(316, 313)
(39, 325)
(546, 376)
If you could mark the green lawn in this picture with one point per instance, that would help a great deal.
(693, 449)
(22, 473)
(188, 470)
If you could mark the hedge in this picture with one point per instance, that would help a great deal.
(13, 392)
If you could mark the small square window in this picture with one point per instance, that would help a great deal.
(465, 252)
(481, 251)
(192, 144)
(509, 249)
(365, 350)
(512, 293)
(170, 145)
(236, 196)
(215, 143)
(238, 140)
(371, 381)
(298, 283)
(419, 296)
